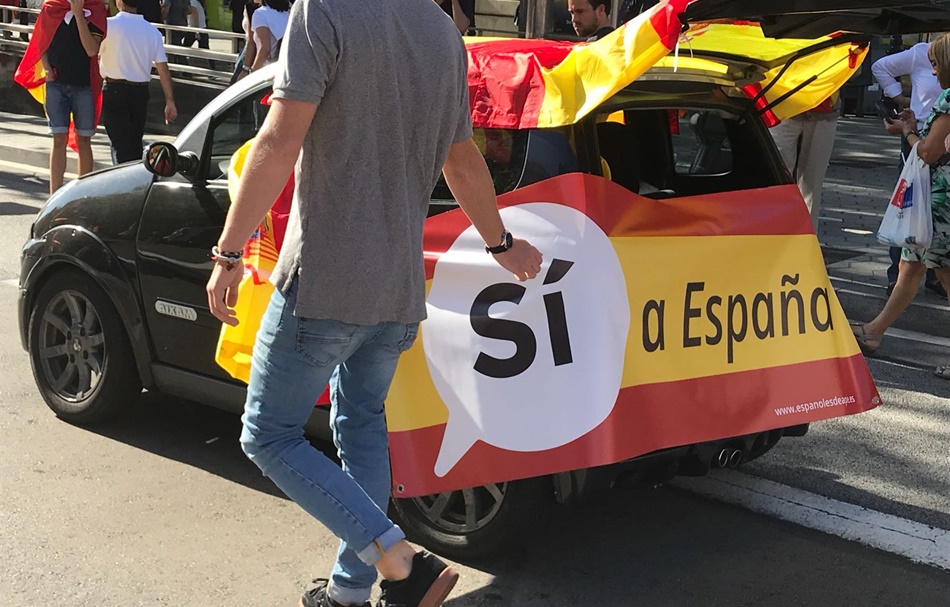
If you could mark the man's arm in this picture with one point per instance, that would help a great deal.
(50, 75)
(165, 77)
(467, 176)
(462, 22)
(90, 41)
(269, 162)
(888, 70)
(262, 37)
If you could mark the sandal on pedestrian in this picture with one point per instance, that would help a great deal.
(868, 342)
(429, 583)
(943, 371)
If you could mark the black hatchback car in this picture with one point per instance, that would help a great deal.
(112, 286)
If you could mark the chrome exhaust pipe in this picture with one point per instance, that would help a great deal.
(722, 460)
(735, 458)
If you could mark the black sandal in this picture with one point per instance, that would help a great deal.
(943, 371)
(865, 339)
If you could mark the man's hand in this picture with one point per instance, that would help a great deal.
(522, 259)
(171, 112)
(223, 292)
(894, 127)
(76, 7)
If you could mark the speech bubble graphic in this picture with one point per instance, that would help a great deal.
(527, 366)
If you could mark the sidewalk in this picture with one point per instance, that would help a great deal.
(26, 140)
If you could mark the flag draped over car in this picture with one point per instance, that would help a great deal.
(521, 84)
(799, 75)
(30, 73)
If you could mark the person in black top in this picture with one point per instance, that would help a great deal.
(151, 10)
(462, 13)
(590, 18)
(68, 89)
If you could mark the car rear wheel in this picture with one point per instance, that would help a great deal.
(79, 350)
(477, 522)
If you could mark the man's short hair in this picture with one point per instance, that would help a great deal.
(605, 3)
(131, 3)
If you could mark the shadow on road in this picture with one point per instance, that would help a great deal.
(193, 434)
(668, 548)
(15, 208)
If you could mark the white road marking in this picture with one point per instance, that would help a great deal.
(920, 543)
(11, 282)
(923, 338)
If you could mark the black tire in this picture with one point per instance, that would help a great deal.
(79, 350)
(472, 524)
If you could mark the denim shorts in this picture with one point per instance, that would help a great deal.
(65, 99)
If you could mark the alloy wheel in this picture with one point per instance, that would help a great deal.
(72, 346)
(463, 511)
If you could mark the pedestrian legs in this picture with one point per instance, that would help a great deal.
(818, 140)
(805, 146)
(124, 111)
(57, 162)
(294, 358)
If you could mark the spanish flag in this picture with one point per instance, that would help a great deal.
(523, 84)
(800, 74)
(30, 73)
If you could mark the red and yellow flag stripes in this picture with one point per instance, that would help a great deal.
(520, 84)
(830, 67)
(734, 329)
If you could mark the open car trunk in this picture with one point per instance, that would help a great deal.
(816, 18)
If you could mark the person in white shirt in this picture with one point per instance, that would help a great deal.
(125, 62)
(266, 30)
(925, 89)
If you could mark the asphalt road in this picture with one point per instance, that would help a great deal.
(162, 508)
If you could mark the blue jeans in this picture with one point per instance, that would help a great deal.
(63, 100)
(294, 359)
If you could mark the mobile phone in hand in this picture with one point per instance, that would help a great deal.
(887, 109)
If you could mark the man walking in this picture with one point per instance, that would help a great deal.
(350, 279)
(590, 18)
(66, 41)
(126, 59)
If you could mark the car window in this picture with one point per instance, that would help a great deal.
(701, 144)
(664, 153)
(519, 158)
(232, 128)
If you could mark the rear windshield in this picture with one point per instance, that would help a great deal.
(665, 153)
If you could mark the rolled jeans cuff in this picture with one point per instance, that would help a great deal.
(375, 550)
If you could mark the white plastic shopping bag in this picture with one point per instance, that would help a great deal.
(908, 221)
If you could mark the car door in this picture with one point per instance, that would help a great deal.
(181, 221)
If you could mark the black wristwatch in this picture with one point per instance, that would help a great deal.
(506, 241)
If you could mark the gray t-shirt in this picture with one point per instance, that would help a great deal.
(390, 83)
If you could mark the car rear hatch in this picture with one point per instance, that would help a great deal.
(816, 18)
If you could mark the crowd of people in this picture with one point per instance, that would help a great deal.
(924, 122)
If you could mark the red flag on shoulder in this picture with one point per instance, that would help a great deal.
(30, 73)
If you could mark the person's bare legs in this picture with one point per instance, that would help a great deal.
(85, 154)
(908, 282)
(57, 162)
